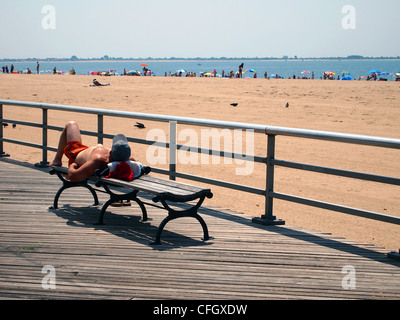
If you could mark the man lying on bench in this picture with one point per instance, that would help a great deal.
(84, 160)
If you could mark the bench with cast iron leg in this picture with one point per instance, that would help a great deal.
(161, 190)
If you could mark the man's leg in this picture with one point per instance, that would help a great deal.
(71, 132)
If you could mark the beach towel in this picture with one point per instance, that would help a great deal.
(125, 170)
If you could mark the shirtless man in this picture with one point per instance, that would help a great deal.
(84, 160)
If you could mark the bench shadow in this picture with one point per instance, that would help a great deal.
(127, 226)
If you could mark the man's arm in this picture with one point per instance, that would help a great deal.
(76, 173)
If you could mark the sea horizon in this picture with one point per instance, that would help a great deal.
(284, 68)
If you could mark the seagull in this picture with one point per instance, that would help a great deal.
(234, 104)
(287, 105)
(14, 125)
(139, 125)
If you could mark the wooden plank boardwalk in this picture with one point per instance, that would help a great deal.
(116, 260)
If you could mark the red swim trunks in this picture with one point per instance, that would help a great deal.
(72, 150)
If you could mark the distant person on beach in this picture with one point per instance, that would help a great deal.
(12, 68)
(54, 70)
(37, 67)
(84, 160)
(241, 70)
(98, 84)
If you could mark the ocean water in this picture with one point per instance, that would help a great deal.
(285, 69)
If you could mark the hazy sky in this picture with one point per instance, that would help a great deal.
(198, 28)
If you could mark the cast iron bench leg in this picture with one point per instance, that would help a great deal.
(174, 214)
(68, 184)
(117, 197)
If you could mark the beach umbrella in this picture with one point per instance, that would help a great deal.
(306, 72)
(144, 64)
(347, 77)
(181, 70)
(385, 73)
(398, 74)
(250, 70)
(374, 71)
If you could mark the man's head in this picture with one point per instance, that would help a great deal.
(120, 150)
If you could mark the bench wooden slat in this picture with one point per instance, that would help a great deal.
(153, 188)
(172, 183)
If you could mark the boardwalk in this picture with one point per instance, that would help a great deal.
(116, 261)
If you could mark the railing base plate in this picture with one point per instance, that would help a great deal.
(268, 222)
(42, 164)
(394, 255)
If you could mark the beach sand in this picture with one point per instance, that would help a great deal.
(369, 108)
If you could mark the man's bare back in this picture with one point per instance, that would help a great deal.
(98, 151)
(86, 160)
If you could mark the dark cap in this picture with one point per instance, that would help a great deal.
(120, 150)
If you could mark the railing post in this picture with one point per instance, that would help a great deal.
(2, 154)
(172, 150)
(100, 129)
(44, 163)
(268, 218)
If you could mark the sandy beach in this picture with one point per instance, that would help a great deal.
(358, 107)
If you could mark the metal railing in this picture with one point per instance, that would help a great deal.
(269, 159)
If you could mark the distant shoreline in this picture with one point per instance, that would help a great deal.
(193, 59)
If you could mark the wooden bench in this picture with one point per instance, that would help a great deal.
(161, 190)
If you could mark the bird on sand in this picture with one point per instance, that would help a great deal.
(234, 104)
(139, 125)
(287, 105)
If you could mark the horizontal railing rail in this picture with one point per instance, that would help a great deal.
(269, 160)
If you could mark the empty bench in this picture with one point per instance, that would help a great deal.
(161, 190)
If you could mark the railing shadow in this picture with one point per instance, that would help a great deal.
(304, 236)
